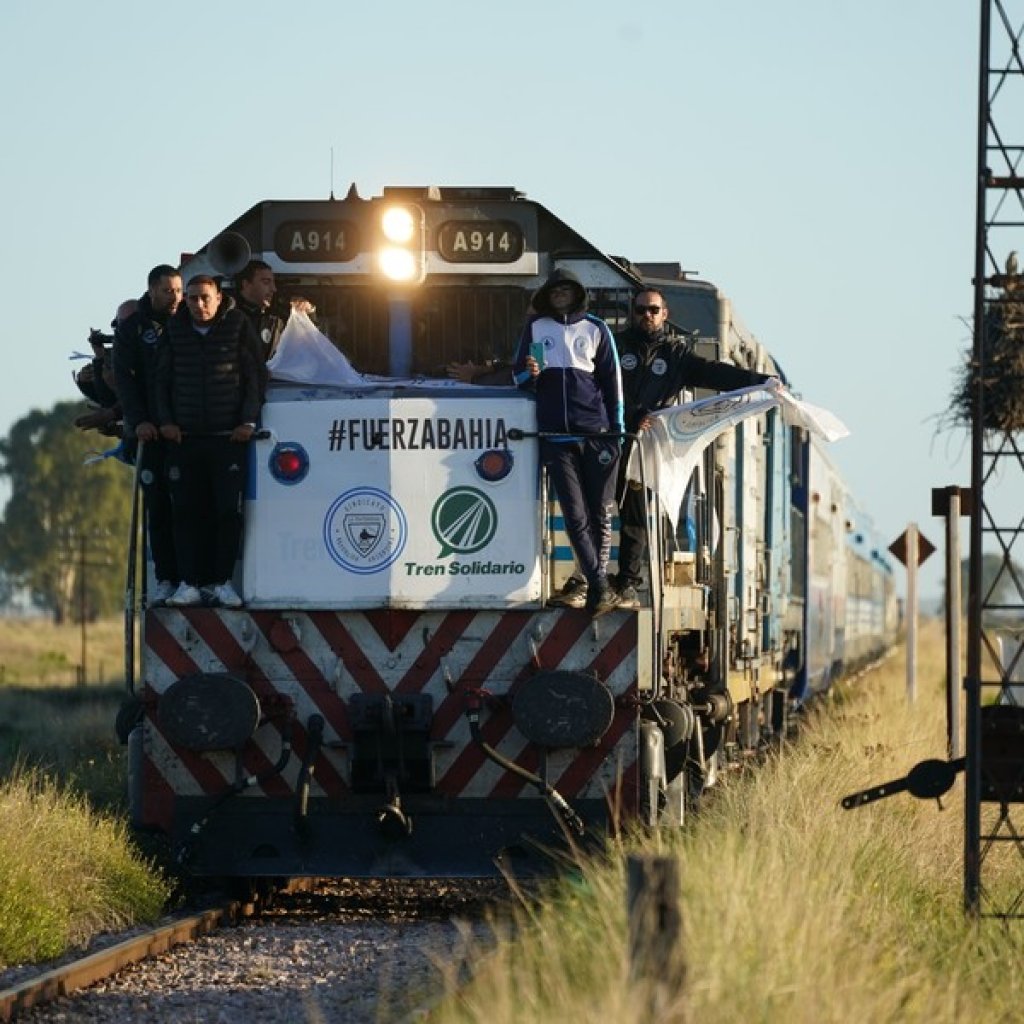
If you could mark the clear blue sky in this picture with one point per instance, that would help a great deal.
(813, 158)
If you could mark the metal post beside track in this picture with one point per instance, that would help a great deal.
(655, 926)
(994, 795)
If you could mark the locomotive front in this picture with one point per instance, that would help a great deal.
(393, 698)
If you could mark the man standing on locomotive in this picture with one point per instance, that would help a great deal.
(568, 356)
(657, 364)
(255, 293)
(136, 341)
(209, 395)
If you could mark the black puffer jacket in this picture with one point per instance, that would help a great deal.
(209, 383)
(136, 341)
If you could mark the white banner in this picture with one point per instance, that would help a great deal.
(305, 355)
(677, 437)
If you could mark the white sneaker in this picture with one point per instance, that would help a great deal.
(185, 596)
(224, 595)
(162, 592)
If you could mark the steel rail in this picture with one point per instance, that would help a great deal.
(78, 974)
(87, 970)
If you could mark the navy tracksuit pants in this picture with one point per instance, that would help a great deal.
(583, 473)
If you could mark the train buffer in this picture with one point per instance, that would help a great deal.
(927, 780)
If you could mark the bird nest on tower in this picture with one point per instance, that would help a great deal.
(1000, 371)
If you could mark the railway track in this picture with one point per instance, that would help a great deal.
(337, 950)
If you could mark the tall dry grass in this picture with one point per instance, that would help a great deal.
(37, 651)
(67, 870)
(793, 909)
(67, 873)
(47, 721)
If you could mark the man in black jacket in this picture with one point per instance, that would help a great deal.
(134, 357)
(254, 297)
(657, 365)
(208, 399)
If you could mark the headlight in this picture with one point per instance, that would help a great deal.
(398, 225)
(400, 254)
(398, 264)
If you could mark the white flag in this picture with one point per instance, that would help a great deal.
(305, 356)
(672, 446)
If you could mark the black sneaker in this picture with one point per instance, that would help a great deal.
(601, 599)
(572, 595)
(628, 597)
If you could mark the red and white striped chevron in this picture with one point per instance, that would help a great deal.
(313, 662)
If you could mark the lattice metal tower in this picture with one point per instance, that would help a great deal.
(994, 817)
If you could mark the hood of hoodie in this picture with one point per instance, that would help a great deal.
(542, 298)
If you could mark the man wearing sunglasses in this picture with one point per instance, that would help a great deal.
(657, 365)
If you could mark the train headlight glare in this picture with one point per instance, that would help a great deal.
(398, 225)
(398, 264)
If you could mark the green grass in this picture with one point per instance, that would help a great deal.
(793, 909)
(69, 868)
(66, 734)
(66, 873)
(48, 720)
(37, 652)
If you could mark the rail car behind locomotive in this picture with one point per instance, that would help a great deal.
(395, 698)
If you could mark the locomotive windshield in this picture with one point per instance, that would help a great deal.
(407, 282)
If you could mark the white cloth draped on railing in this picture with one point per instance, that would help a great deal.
(677, 437)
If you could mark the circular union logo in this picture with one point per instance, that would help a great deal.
(464, 520)
(629, 361)
(692, 422)
(659, 367)
(365, 530)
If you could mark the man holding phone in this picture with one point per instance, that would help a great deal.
(568, 357)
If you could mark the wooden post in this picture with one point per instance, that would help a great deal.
(911, 612)
(81, 601)
(655, 925)
(951, 503)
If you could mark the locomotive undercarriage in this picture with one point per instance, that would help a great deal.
(472, 838)
(262, 785)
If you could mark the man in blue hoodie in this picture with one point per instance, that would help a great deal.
(568, 356)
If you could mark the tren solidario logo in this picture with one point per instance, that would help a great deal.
(464, 520)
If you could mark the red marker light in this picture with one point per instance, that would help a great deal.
(289, 463)
(494, 465)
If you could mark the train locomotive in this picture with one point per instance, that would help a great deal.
(395, 697)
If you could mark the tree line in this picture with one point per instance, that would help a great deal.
(64, 532)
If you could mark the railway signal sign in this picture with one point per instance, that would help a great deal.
(911, 547)
(899, 547)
